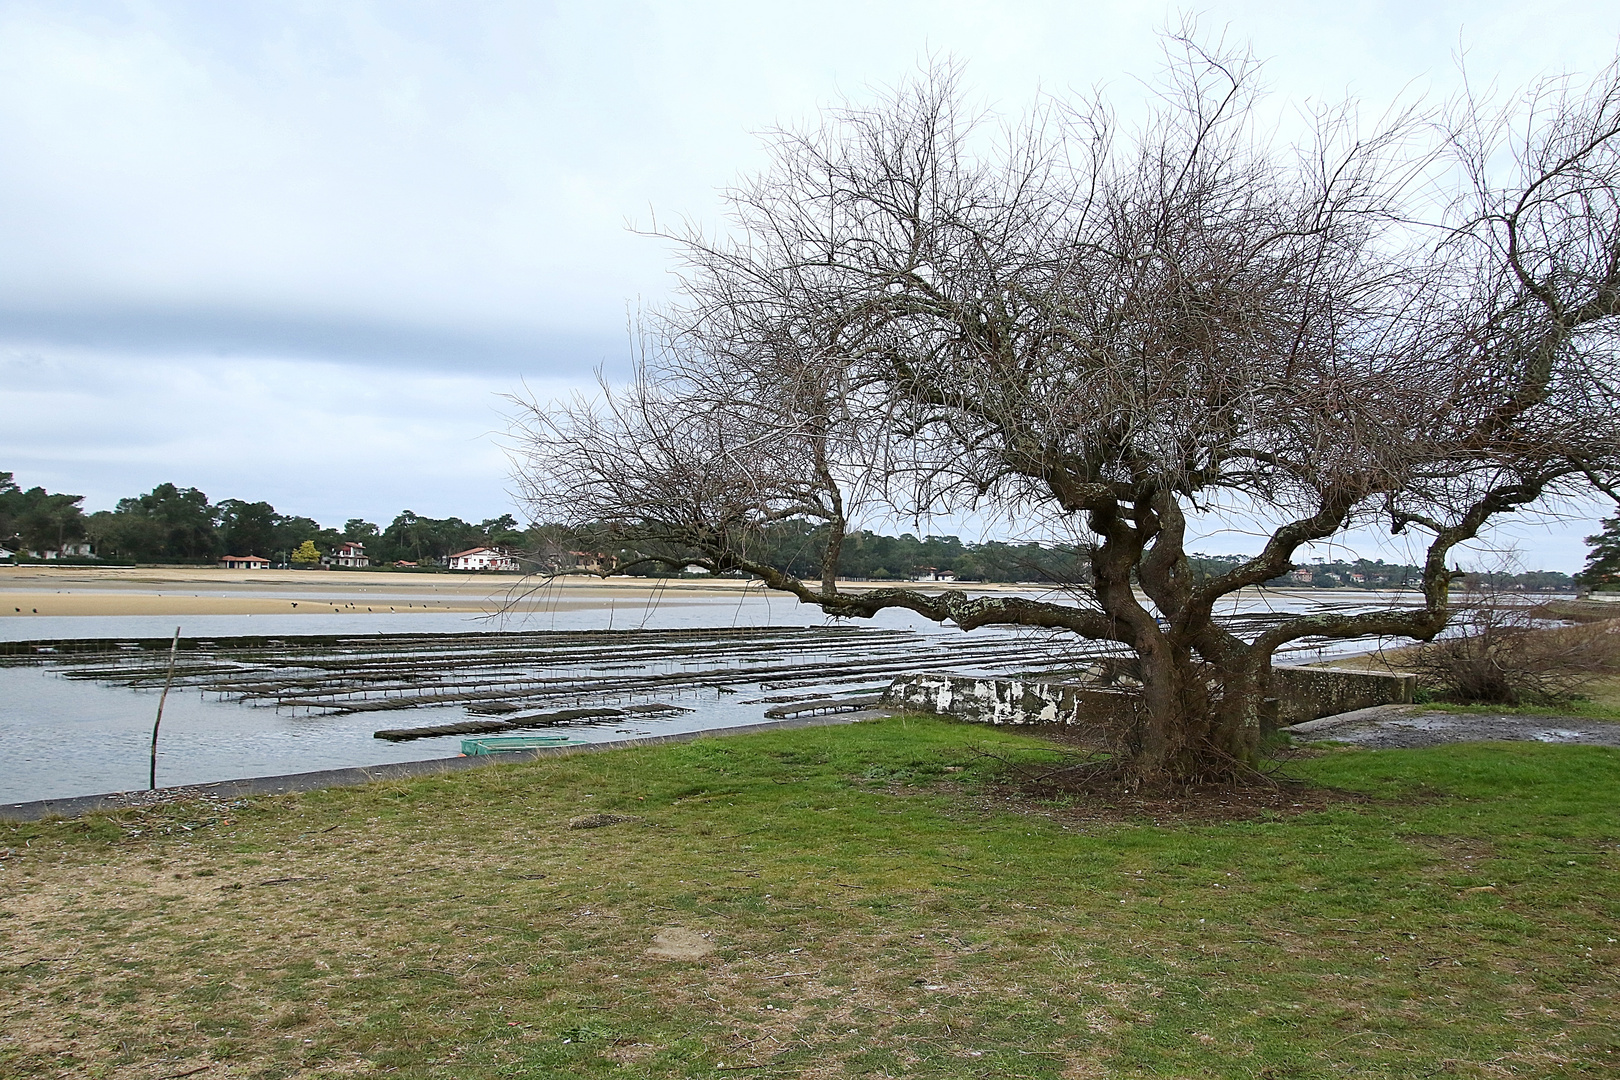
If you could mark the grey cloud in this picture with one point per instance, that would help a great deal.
(217, 331)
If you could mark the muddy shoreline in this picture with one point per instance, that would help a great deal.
(1410, 727)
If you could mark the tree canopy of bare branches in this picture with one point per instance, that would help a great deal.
(917, 310)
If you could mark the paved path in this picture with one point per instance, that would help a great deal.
(1390, 727)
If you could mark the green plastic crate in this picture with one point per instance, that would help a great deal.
(505, 744)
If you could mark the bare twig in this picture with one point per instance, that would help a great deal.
(167, 682)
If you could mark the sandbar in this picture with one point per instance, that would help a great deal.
(27, 591)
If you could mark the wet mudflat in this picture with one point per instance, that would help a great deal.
(1400, 727)
(263, 695)
(252, 706)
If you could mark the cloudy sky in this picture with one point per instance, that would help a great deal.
(298, 251)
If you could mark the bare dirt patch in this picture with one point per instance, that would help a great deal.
(679, 943)
(1078, 787)
(600, 821)
(1207, 803)
(1407, 727)
(1105, 804)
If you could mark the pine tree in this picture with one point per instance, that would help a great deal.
(1603, 564)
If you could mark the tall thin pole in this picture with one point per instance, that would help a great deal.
(151, 780)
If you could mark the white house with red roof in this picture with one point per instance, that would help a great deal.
(482, 558)
(348, 553)
(244, 562)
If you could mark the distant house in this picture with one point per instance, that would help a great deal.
(404, 562)
(934, 573)
(66, 551)
(1304, 575)
(586, 560)
(244, 562)
(6, 553)
(482, 558)
(347, 553)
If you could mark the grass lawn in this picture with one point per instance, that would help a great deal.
(865, 900)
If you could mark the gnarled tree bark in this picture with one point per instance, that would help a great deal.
(1111, 338)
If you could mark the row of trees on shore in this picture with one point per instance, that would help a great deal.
(175, 524)
(871, 556)
(180, 525)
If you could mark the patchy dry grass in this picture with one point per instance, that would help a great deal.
(867, 900)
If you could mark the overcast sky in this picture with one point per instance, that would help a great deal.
(298, 251)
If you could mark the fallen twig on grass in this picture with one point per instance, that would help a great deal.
(38, 960)
(188, 1072)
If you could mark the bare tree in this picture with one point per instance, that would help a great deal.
(917, 312)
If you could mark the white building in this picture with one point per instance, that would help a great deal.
(482, 558)
(348, 553)
(66, 551)
(244, 562)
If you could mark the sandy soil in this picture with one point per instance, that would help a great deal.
(78, 590)
(35, 590)
(77, 603)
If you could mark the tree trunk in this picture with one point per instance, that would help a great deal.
(1196, 723)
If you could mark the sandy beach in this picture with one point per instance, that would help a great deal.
(27, 591)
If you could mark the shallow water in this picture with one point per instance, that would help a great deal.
(70, 737)
(67, 737)
(631, 613)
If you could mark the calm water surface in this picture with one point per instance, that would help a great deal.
(66, 737)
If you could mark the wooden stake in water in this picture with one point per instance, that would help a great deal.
(173, 645)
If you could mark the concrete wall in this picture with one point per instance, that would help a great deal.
(1010, 701)
(1311, 693)
(1301, 694)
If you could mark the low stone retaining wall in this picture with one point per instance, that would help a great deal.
(1311, 693)
(1301, 694)
(1010, 701)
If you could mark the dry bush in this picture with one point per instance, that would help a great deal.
(1503, 654)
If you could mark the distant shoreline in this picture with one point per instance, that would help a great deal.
(35, 590)
(26, 591)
